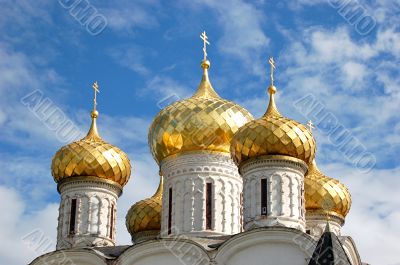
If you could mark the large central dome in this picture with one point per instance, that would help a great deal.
(204, 121)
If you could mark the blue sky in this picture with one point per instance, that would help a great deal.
(149, 53)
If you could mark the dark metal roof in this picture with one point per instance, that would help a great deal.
(329, 251)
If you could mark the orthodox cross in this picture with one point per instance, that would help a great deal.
(96, 90)
(310, 126)
(204, 37)
(272, 63)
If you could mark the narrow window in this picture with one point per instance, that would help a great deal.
(208, 205)
(169, 211)
(264, 197)
(112, 221)
(308, 231)
(72, 217)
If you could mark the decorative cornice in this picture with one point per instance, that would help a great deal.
(145, 236)
(318, 215)
(274, 161)
(275, 221)
(81, 240)
(202, 162)
(197, 152)
(90, 180)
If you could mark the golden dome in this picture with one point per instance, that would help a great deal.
(91, 157)
(272, 134)
(145, 215)
(202, 122)
(325, 195)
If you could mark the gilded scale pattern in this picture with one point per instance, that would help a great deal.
(273, 134)
(202, 122)
(325, 195)
(145, 215)
(91, 156)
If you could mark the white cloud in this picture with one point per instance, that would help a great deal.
(388, 40)
(346, 76)
(374, 215)
(127, 132)
(166, 89)
(143, 183)
(383, 11)
(30, 176)
(337, 47)
(24, 236)
(131, 57)
(20, 126)
(357, 81)
(126, 16)
(32, 10)
(353, 75)
(16, 70)
(243, 36)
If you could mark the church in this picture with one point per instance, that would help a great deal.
(233, 190)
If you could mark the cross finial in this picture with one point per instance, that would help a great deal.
(272, 63)
(204, 37)
(310, 126)
(96, 90)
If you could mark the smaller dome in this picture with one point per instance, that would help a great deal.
(145, 215)
(272, 134)
(325, 195)
(91, 157)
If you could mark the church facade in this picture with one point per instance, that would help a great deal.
(233, 190)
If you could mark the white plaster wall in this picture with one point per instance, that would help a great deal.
(268, 254)
(93, 216)
(165, 252)
(76, 256)
(351, 250)
(317, 225)
(285, 193)
(271, 246)
(158, 258)
(188, 175)
(262, 246)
